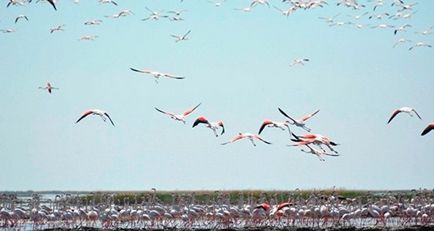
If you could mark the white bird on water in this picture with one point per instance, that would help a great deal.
(157, 74)
(101, 113)
(179, 117)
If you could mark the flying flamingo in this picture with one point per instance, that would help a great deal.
(316, 139)
(428, 129)
(301, 121)
(49, 88)
(274, 124)
(214, 126)
(181, 37)
(101, 113)
(157, 74)
(403, 109)
(317, 152)
(250, 136)
(179, 117)
(298, 61)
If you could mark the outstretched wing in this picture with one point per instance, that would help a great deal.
(52, 2)
(137, 70)
(287, 116)
(167, 113)
(264, 124)
(308, 116)
(188, 32)
(173, 76)
(199, 120)
(84, 115)
(238, 137)
(260, 138)
(415, 112)
(427, 129)
(106, 114)
(396, 112)
(186, 113)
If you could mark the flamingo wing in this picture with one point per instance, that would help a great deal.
(199, 120)
(237, 137)
(427, 129)
(188, 112)
(173, 76)
(52, 2)
(396, 112)
(308, 116)
(167, 113)
(185, 35)
(223, 128)
(137, 70)
(417, 114)
(84, 115)
(260, 138)
(264, 124)
(106, 114)
(286, 115)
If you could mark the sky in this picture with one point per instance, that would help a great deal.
(237, 65)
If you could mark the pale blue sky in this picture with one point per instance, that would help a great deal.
(237, 65)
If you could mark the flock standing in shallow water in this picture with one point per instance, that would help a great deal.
(313, 142)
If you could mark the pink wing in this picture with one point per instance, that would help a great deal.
(186, 113)
(308, 116)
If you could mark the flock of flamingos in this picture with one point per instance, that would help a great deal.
(321, 211)
(313, 143)
(391, 210)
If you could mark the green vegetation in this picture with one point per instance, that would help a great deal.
(233, 197)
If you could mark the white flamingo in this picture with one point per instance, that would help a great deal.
(214, 126)
(301, 122)
(419, 44)
(179, 117)
(107, 1)
(93, 22)
(249, 136)
(407, 110)
(179, 38)
(7, 30)
(298, 62)
(98, 112)
(57, 28)
(88, 38)
(157, 74)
